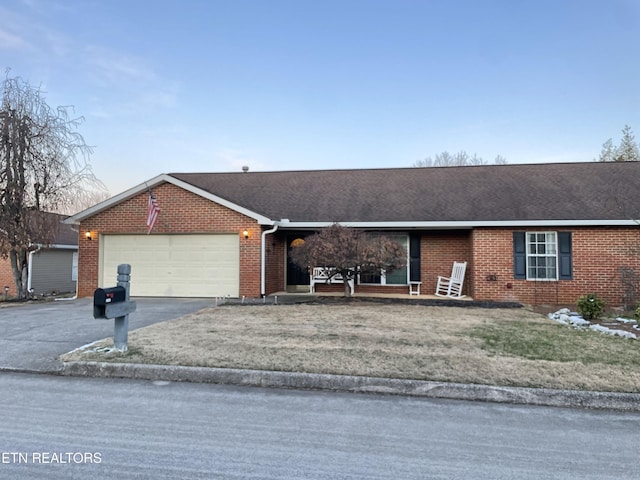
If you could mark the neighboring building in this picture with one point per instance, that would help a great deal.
(53, 269)
(539, 233)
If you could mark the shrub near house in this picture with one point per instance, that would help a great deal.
(590, 306)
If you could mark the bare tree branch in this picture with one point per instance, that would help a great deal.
(44, 167)
(460, 159)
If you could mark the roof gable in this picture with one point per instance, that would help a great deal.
(132, 192)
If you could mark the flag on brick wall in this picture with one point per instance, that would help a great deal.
(152, 212)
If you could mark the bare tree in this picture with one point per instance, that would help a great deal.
(43, 168)
(627, 151)
(500, 160)
(88, 199)
(608, 152)
(347, 251)
(460, 159)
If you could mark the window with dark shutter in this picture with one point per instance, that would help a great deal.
(519, 255)
(414, 258)
(564, 256)
(535, 256)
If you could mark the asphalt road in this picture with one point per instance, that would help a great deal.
(105, 428)
(33, 335)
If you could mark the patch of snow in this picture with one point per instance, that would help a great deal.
(92, 348)
(625, 320)
(609, 331)
(84, 347)
(103, 350)
(566, 317)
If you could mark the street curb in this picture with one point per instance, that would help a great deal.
(628, 402)
(56, 371)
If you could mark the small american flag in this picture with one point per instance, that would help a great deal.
(153, 211)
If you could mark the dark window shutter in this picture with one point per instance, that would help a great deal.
(519, 255)
(414, 258)
(564, 256)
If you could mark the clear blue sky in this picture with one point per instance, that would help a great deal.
(211, 85)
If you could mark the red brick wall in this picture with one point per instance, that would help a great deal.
(181, 212)
(493, 259)
(438, 251)
(597, 256)
(275, 263)
(6, 278)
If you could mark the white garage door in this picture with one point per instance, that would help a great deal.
(174, 265)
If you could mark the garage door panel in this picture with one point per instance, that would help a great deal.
(174, 265)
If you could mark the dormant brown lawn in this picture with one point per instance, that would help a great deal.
(513, 347)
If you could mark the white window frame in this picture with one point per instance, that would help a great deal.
(529, 255)
(383, 276)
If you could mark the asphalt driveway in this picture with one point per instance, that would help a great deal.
(33, 335)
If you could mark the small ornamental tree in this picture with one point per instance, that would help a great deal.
(347, 251)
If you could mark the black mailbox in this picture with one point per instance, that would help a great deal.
(107, 296)
(102, 296)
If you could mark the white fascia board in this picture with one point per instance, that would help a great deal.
(58, 246)
(465, 224)
(562, 223)
(132, 192)
(121, 197)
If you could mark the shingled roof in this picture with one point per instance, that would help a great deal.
(593, 191)
(67, 235)
(64, 234)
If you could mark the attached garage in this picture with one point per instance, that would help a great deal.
(188, 265)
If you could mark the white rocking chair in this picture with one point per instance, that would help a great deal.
(452, 286)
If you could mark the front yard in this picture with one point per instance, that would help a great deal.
(509, 347)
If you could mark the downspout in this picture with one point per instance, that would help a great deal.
(263, 266)
(30, 267)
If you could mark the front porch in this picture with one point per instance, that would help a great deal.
(430, 255)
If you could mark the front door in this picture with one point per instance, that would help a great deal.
(297, 278)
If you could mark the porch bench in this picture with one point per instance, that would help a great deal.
(323, 275)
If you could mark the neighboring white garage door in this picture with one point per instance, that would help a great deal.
(174, 265)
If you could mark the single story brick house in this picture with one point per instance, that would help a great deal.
(536, 233)
(53, 268)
